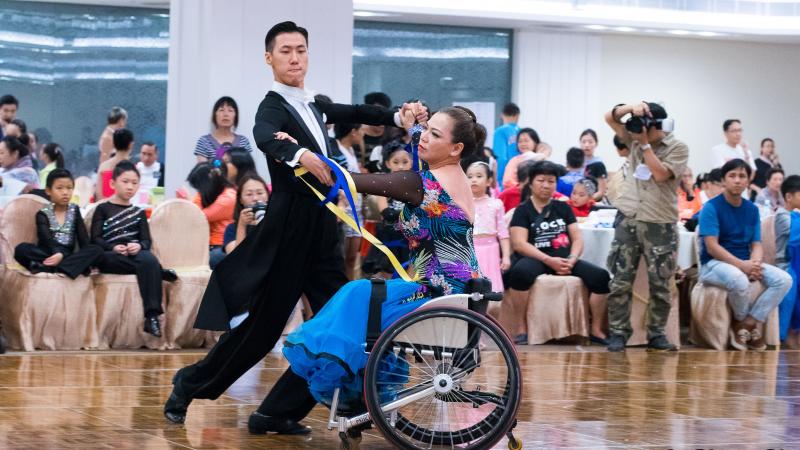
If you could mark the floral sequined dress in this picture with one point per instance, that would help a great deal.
(328, 350)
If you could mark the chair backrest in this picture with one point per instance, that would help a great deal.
(768, 239)
(84, 189)
(180, 234)
(18, 223)
(88, 213)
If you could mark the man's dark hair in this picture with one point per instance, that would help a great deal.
(727, 124)
(734, 164)
(14, 145)
(55, 175)
(715, 176)
(115, 115)
(378, 98)
(122, 139)
(150, 144)
(618, 143)
(281, 28)
(773, 170)
(790, 185)
(225, 101)
(122, 167)
(545, 168)
(510, 110)
(341, 130)
(657, 110)
(9, 99)
(575, 158)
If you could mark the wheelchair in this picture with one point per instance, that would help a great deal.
(443, 376)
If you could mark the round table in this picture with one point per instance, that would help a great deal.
(597, 246)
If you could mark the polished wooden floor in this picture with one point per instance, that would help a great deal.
(574, 397)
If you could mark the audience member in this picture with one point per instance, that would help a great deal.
(588, 141)
(18, 129)
(123, 146)
(121, 229)
(527, 145)
(505, 137)
(646, 222)
(117, 119)
(689, 202)
(581, 200)
(374, 135)
(238, 163)
(731, 257)
(511, 197)
(348, 136)
(149, 167)
(62, 240)
(490, 232)
(593, 166)
(765, 161)
(733, 147)
(771, 196)
(225, 120)
(217, 199)
(9, 105)
(617, 179)
(787, 257)
(53, 158)
(546, 240)
(16, 164)
(251, 203)
(575, 171)
(713, 185)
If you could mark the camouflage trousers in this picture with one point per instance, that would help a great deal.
(658, 243)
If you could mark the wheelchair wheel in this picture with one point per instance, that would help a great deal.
(428, 383)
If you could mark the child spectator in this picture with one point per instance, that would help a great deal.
(217, 198)
(238, 164)
(575, 171)
(582, 198)
(62, 240)
(787, 257)
(492, 245)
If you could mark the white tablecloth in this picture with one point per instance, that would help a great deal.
(597, 246)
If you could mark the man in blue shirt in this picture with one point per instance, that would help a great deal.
(505, 137)
(731, 257)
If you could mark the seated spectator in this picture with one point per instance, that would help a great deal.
(528, 146)
(771, 196)
(731, 257)
(689, 202)
(150, 168)
(546, 240)
(62, 241)
(121, 229)
(767, 160)
(225, 119)
(787, 257)
(238, 163)
(511, 196)
(251, 202)
(123, 146)
(575, 171)
(217, 198)
(582, 198)
(16, 164)
(712, 186)
(53, 158)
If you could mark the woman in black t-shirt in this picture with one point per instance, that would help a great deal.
(546, 240)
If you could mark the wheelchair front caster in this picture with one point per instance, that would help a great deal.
(514, 443)
(350, 440)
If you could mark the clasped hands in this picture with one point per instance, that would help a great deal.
(754, 269)
(130, 249)
(562, 266)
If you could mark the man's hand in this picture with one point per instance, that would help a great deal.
(133, 248)
(281, 136)
(319, 169)
(54, 260)
(120, 249)
(751, 268)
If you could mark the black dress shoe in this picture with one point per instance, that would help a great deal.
(37, 267)
(262, 424)
(169, 275)
(2, 343)
(152, 326)
(176, 407)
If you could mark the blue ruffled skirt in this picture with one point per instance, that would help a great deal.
(329, 350)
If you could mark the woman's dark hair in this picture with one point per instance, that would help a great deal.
(532, 134)
(210, 180)
(122, 167)
(465, 129)
(575, 157)
(225, 101)
(57, 174)
(735, 164)
(702, 178)
(715, 176)
(524, 177)
(341, 130)
(392, 147)
(241, 159)
(545, 168)
(249, 176)
(589, 132)
(23, 127)
(55, 153)
(283, 27)
(122, 139)
(772, 171)
(14, 145)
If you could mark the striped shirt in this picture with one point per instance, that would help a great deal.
(209, 148)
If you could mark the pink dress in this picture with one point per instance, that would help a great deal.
(489, 228)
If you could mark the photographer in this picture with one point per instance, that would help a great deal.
(251, 204)
(646, 222)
